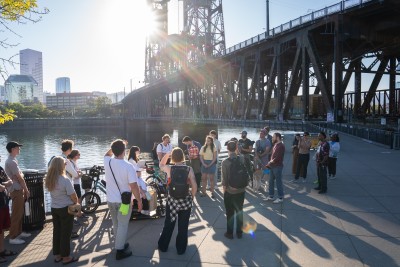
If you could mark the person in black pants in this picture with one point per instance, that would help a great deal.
(322, 163)
(62, 195)
(178, 209)
(233, 197)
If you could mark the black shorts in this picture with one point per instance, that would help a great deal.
(77, 188)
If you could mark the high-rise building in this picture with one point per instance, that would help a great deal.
(31, 63)
(21, 89)
(63, 85)
(2, 93)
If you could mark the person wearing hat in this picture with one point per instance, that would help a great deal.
(19, 193)
(246, 148)
(261, 158)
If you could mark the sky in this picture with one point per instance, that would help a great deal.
(100, 44)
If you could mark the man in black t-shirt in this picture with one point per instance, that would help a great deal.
(246, 148)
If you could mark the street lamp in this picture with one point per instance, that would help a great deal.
(267, 17)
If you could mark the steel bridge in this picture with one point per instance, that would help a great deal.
(328, 63)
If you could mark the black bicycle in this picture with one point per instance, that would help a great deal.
(90, 201)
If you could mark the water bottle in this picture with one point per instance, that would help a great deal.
(27, 209)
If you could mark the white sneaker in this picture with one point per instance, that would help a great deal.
(270, 198)
(278, 200)
(16, 241)
(24, 234)
(295, 181)
(332, 177)
(304, 180)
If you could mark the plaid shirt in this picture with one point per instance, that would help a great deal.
(193, 152)
(175, 205)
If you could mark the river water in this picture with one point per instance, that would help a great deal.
(40, 145)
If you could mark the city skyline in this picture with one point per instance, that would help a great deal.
(31, 63)
(101, 47)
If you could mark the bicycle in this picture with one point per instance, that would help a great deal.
(90, 201)
(157, 180)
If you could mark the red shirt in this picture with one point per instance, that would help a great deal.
(278, 153)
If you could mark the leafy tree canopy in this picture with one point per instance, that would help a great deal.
(13, 10)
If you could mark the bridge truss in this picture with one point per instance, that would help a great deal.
(307, 68)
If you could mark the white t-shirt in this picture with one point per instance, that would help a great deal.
(135, 165)
(161, 148)
(217, 145)
(76, 180)
(125, 174)
(69, 169)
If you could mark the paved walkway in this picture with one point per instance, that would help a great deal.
(356, 224)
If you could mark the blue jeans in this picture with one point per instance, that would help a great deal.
(120, 224)
(275, 175)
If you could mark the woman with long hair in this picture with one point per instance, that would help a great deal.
(62, 195)
(133, 158)
(178, 206)
(208, 158)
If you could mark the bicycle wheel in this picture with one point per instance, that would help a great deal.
(90, 202)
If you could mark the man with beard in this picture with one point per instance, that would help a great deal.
(276, 167)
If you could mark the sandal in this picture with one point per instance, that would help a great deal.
(6, 253)
(73, 259)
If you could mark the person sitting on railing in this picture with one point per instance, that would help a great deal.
(133, 158)
(164, 147)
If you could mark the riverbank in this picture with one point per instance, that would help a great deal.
(357, 223)
(62, 123)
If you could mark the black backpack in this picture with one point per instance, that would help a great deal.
(238, 175)
(178, 186)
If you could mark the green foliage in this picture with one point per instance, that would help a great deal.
(13, 10)
(100, 107)
(6, 114)
(103, 106)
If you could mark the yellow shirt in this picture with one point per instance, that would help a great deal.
(208, 155)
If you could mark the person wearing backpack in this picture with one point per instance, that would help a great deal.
(179, 201)
(164, 147)
(234, 181)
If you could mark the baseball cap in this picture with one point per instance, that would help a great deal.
(233, 139)
(243, 132)
(231, 146)
(11, 145)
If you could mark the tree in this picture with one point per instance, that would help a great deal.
(6, 114)
(103, 105)
(20, 11)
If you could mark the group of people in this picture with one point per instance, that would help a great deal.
(124, 183)
(326, 158)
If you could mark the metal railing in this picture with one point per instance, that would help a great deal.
(302, 20)
(385, 137)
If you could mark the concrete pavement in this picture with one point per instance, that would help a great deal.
(357, 223)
